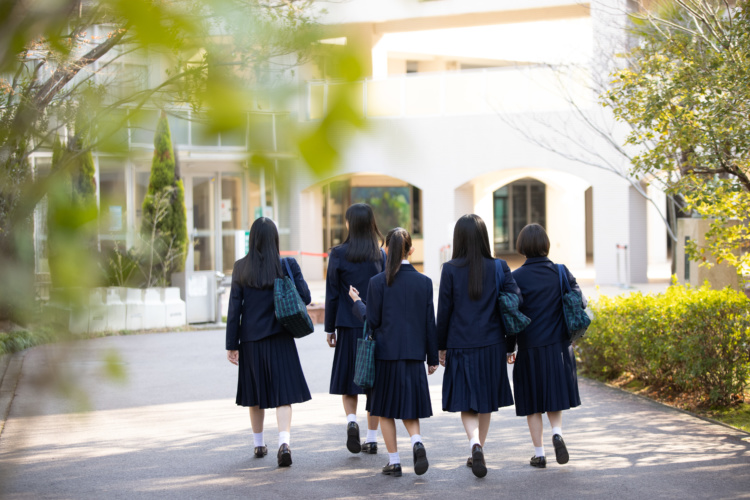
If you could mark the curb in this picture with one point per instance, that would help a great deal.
(670, 407)
(10, 370)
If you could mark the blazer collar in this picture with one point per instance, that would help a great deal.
(536, 260)
(407, 267)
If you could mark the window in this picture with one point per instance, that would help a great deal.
(516, 205)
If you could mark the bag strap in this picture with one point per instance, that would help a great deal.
(499, 277)
(288, 269)
(560, 274)
(364, 330)
(563, 279)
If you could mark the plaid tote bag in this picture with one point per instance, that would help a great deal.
(514, 320)
(290, 310)
(364, 369)
(576, 318)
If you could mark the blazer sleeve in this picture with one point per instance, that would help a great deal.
(359, 309)
(445, 307)
(509, 284)
(299, 281)
(432, 342)
(374, 305)
(235, 311)
(332, 292)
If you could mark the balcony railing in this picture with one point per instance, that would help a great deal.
(470, 92)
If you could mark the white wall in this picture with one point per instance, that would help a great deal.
(657, 230)
(369, 11)
(453, 158)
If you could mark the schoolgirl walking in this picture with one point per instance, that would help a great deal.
(471, 335)
(351, 264)
(400, 312)
(544, 376)
(270, 374)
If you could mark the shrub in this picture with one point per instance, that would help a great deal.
(692, 340)
(19, 340)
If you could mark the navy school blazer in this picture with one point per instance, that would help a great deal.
(464, 323)
(251, 313)
(542, 302)
(402, 316)
(341, 274)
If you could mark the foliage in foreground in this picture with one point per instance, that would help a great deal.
(689, 340)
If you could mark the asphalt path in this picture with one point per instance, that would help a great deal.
(172, 430)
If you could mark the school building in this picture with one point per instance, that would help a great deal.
(472, 106)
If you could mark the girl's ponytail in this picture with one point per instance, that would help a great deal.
(398, 242)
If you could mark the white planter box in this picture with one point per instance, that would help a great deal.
(79, 321)
(133, 300)
(97, 311)
(116, 309)
(153, 309)
(175, 313)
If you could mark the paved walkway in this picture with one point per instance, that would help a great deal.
(173, 431)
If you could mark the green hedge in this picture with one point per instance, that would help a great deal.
(692, 340)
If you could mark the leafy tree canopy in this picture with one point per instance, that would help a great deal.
(685, 91)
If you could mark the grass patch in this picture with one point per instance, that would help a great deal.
(20, 339)
(737, 416)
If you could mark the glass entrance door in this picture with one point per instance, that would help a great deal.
(204, 223)
(231, 213)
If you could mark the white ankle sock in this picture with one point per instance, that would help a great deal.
(539, 452)
(283, 438)
(258, 439)
(473, 442)
(557, 430)
(394, 459)
(351, 417)
(372, 436)
(416, 438)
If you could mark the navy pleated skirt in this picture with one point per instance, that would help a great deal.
(344, 362)
(544, 379)
(270, 374)
(476, 379)
(400, 390)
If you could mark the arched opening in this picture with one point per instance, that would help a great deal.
(514, 206)
(395, 203)
(509, 199)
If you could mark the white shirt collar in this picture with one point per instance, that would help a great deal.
(404, 261)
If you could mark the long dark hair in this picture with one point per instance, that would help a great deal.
(471, 242)
(364, 238)
(398, 241)
(262, 264)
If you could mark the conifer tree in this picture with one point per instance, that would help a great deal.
(164, 226)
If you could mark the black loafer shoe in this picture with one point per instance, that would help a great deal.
(284, 457)
(370, 448)
(420, 459)
(469, 461)
(261, 451)
(352, 438)
(392, 470)
(478, 466)
(561, 451)
(540, 462)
